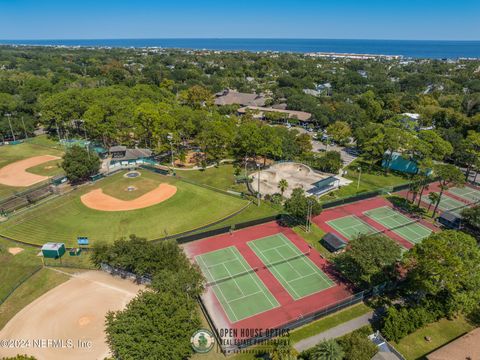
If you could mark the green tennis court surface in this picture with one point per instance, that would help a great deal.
(351, 227)
(236, 285)
(467, 193)
(292, 268)
(401, 225)
(447, 204)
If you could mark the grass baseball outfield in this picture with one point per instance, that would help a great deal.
(66, 217)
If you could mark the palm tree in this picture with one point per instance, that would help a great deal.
(327, 350)
(433, 197)
(448, 176)
(283, 185)
(282, 349)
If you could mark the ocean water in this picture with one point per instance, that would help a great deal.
(406, 48)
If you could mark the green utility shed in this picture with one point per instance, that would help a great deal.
(53, 250)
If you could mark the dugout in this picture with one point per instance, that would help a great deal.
(450, 220)
(53, 250)
(333, 243)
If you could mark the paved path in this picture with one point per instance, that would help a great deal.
(335, 332)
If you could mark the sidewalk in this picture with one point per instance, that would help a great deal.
(335, 332)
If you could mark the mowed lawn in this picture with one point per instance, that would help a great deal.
(65, 218)
(370, 180)
(221, 177)
(18, 286)
(414, 346)
(15, 268)
(12, 153)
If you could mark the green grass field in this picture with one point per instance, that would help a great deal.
(37, 285)
(50, 168)
(65, 218)
(220, 177)
(18, 283)
(39, 146)
(414, 346)
(15, 268)
(370, 179)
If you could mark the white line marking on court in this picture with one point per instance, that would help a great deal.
(254, 279)
(220, 290)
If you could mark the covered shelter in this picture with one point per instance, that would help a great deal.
(333, 243)
(450, 220)
(322, 186)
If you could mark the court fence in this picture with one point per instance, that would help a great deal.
(300, 321)
(186, 238)
(366, 195)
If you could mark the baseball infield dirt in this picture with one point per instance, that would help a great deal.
(68, 321)
(97, 200)
(15, 174)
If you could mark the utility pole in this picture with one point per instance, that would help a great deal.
(8, 115)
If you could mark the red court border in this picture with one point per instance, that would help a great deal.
(289, 309)
(357, 209)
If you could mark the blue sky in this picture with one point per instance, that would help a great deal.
(347, 19)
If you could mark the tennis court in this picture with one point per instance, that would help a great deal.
(400, 224)
(292, 268)
(236, 285)
(351, 227)
(447, 204)
(467, 193)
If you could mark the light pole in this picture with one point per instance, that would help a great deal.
(8, 115)
(258, 187)
(309, 215)
(359, 174)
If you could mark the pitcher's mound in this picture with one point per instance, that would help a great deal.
(97, 200)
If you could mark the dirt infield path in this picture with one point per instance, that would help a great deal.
(97, 200)
(53, 325)
(15, 174)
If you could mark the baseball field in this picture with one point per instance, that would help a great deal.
(150, 206)
(27, 164)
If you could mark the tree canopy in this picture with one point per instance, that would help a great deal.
(369, 260)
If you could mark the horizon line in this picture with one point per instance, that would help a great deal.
(235, 38)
